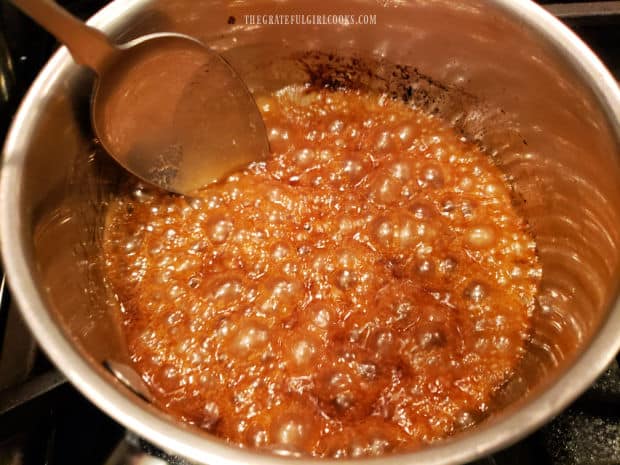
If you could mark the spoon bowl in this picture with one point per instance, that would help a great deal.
(168, 109)
(176, 114)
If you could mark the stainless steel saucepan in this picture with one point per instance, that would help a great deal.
(504, 72)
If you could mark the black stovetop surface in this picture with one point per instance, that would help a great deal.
(44, 420)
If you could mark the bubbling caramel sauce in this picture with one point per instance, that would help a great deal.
(367, 289)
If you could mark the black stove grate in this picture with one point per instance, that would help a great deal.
(44, 420)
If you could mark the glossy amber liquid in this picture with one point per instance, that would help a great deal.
(365, 290)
